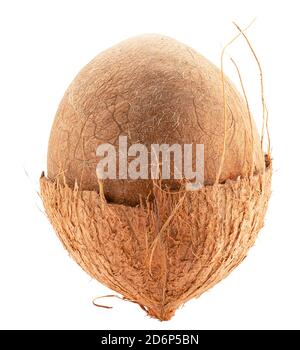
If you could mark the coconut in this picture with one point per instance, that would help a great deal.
(155, 242)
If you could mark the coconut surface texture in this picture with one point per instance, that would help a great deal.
(158, 245)
(153, 90)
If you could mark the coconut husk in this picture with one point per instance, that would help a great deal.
(172, 246)
(167, 251)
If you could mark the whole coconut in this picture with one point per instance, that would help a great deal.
(158, 248)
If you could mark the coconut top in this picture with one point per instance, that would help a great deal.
(154, 90)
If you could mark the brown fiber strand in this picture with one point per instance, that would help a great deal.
(265, 111)
(249, 113)
(225, 101)
(115, 296)
(165, 225)
(268, 132)
(104, 296)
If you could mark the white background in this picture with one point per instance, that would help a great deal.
(43, 44)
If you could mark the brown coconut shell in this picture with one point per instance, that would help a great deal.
(154, 90)
(160, 250)
(167, 252)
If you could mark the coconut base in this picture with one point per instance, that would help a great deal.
(166, 252)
